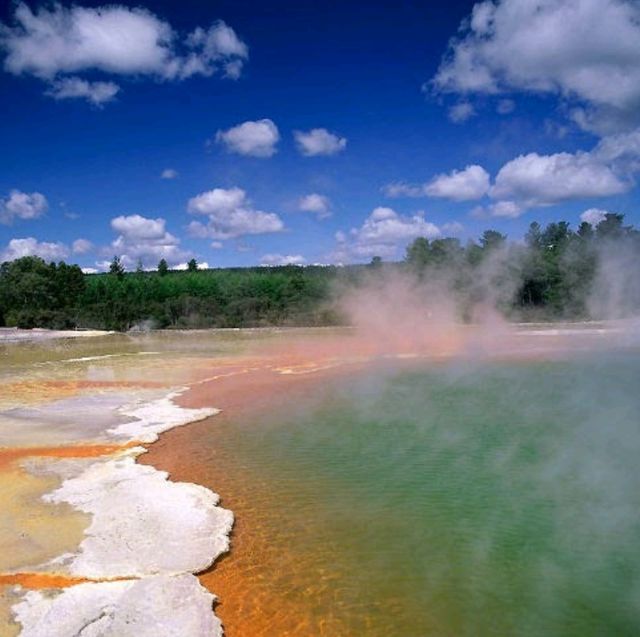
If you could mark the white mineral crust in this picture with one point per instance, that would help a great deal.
(158, 606)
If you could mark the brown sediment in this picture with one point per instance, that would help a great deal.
(9, 596)
(9, 455)
(45, 390)
(33, 531)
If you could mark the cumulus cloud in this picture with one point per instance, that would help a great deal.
(593, 216)
(256, 139)
(382, 232)
(145, 239)
(539, 180)
(230, 214)
(185, 266)
(622, 151)
(459, 185)
(81, 246)
(319, 141)
(97, 93)
(588, 51)
(17, 248)
(282, 259)
(507, 209)
(57, 42)
(535, 180)
(452, 227)
(318, 204)
(169, 173)
(22, 205)
(461, 112)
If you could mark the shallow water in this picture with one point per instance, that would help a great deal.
(464, 499)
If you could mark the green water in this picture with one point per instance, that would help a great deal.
(469, 499)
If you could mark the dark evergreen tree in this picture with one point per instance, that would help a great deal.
(116, 267)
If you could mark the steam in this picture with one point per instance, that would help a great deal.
(615, 293)
(464, 305)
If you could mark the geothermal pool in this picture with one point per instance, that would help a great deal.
(492, 490)
(467, 499)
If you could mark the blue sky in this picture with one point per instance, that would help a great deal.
(309, 132)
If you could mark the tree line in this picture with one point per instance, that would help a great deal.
(550, 275)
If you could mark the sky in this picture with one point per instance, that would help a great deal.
(242, 133)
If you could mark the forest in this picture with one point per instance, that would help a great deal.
(550, 275)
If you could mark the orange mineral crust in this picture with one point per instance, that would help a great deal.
(9, 455)
(254, 598)
(39, 581)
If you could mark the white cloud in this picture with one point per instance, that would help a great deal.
(318, 204)
(381, 234)
(60, 41)
(139, 227)
(29, 246)
(217, 245)
(185, 266)
(145, 239)
(461, 112)
(256, 139)
(97, 93)
(230, 214)
(538, 180)
(319, 141)
(452, 227)
(91, 270)
(282, 259)
(403, 189)
(594, 216)
(622, 151)
(587, 50)
(459, 185)
(507, 209)
(81, 246)
(169, 173)
(22, 205)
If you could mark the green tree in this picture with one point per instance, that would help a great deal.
(192, 266)
(418, 253)
(533, 237)
(585, 231)
(611, 227)
(116, 267)
(492, 239)
(163, 267)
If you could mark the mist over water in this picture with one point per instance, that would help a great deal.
(469, 498)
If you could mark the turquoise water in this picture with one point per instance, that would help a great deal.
(466, 499)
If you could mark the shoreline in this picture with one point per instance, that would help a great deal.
(146, 536)
(13, 335)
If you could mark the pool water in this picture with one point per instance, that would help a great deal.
(458, 499)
